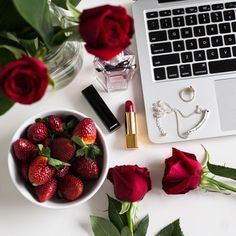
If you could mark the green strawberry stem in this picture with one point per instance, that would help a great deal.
(207, 182)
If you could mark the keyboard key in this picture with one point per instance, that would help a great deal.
(234, 26)
(178, 21)
(191, 19)
(229, 15)
(186, 32)
(159, 73)
(173, 34)
(165, 13)
(158, 48)
(172, 72)
(212, 29)
(178, 46)
(225, 52)
(204, 8)
(204, 42)
(212, 54)
(186, 57)
(166, 23)
(152, 14)
(222, 66)
(185, 70)
(191, 9)
(230, 5)
(217, 41)
(217, 6)
(224, 28)
(191, 44)
(168, 59)
(199, 31)
(199, 55)
(229, 39)
(234, 51)
(200, 68)
(216, 16)
(153, 24)
(204, 18)
(178, 11)
(157, 36)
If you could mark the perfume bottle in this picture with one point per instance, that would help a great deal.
(115, 74)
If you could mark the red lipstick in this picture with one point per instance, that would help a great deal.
(130, 125)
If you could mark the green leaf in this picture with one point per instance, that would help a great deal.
(10, 42)
(44, 151)
(78, 141)
(6, 57)
(57, 163)
(5, 103)
(220, 170)
(82, 151)
(10, 19)
(62, 3)
(72, 8)
(103, 227)
(126, 231)
(31, 45)
(15, 51)
(37, 14)
(125, 206)
(114, 208)
(141, 228)
(173, 229)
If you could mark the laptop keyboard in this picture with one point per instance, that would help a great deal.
(192, 41)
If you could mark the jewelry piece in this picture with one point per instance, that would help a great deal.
(187, 94)
(160, 109)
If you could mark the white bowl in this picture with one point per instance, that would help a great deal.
(89, 190)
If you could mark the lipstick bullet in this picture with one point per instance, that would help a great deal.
(130, 125)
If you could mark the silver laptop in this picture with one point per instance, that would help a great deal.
(187, 59)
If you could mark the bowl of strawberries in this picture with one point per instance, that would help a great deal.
(58, 158)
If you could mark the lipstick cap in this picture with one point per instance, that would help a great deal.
(100, 107)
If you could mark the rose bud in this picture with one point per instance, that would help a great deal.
(182, 172)
(131, 182)
(106, 30)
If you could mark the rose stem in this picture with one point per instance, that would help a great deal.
(129, 214)
(221, 184)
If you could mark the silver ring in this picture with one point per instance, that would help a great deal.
(187, 94)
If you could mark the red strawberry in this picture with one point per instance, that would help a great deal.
(85, 168)
(39, 171)
(86, 131)
(24, 150)
(70, 187)
(56, 124)
(62, 172)
(37, 132)
(24, 170)
(46, 191)
(62, 149)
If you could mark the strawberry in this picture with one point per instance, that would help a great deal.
(87, 169)
(70, 187)
(62, 149)
(86, 131)
(37, 132)
(46, 191)
(56, 124)
(39, 171)
(24, 150)
(62, 172)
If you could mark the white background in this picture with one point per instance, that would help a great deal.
(200, 213)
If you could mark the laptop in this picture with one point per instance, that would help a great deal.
(187, 59)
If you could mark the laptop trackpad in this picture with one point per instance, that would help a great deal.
(226, 98)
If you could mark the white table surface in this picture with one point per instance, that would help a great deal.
(201, 213)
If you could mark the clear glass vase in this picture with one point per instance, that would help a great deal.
(64, 63)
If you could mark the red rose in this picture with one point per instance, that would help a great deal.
(24, 80)
(182, 172)
(106, 30)
(130, 182)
